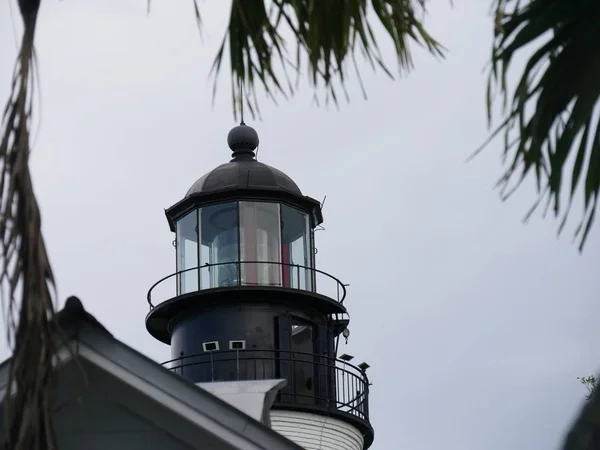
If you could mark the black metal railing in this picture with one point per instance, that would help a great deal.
(246, 273)
(314, 381)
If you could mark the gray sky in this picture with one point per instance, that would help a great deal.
(475, 325)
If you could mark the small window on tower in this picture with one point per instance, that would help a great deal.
(211, 346)
(237, 345)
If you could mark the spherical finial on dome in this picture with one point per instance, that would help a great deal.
(242, 140)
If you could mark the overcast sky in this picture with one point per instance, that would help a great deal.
(475, 325)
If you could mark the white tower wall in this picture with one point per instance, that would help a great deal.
(316, 432)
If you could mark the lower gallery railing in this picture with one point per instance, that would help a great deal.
(314, 381)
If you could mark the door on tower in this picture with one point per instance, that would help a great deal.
(303, 364)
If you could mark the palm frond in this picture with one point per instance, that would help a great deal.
(327, 34)
(553, 112)
(25, 271)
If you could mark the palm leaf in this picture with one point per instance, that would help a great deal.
(553, 112)
(327, 35)
(25, 270)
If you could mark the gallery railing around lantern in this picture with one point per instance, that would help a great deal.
(313, 381)
(244, 274)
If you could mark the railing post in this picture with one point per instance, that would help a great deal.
(366, 399)
(181, 363)
(324, 377)
(239, 272)
(292, 373)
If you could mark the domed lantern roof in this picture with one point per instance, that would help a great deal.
(244, 177)
(243, 171)
(243, 174)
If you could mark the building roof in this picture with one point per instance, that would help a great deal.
(166, 394)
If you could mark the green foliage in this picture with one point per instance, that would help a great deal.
(553, 111)
(590, 384)
(327, 34)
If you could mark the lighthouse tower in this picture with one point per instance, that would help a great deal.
(247, 303)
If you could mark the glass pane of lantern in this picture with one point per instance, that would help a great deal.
(219, 238)
(187, 253)
(260, 244)
(295, 243)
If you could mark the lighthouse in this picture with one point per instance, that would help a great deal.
(247, 309)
